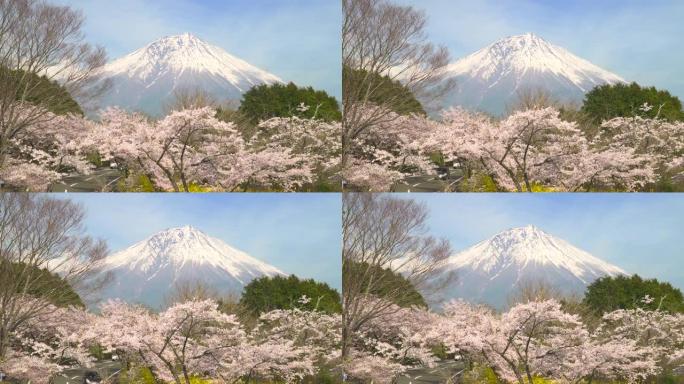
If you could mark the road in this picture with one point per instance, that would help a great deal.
(429, 183)
(104, 370)
(439, 374)
(99, 180)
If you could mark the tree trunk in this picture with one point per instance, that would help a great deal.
(3, 155)
(186, 188)
(169, 176)
(4, 342)
(527, 182)
(529, 376)
(345, 343)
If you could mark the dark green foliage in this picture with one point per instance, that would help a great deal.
(243, 123)
(670, 181)
(135, 182)
(325, 375)
(624, 100)
(626, 292)
(384, 282)
(282, 100)
(136, 375)
(480, 374)
(39, 90)
(270, 293)
(41, 283)
(382, 90)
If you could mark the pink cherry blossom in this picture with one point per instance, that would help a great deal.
(525, 149)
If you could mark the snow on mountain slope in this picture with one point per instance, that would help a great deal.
(146, 271)
(492, 78)
(147, 78)
(491, 270)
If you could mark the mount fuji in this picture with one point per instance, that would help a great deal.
(147, 271)
(492, 78)
(145, 80)
(491, 270)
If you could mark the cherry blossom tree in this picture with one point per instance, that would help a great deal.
(312, 147)
(536, 339)
(194, 147)
(519, 343)
(175, 344)
(380, 235)
(47, 150)
(195, 339)
(389, 344)
(369, 176)
(317, 140)
(387, 151)
(372, 368)
(629, 345)
(42, 237)
(536, 146)
(48, 343)
(539, 339)
(661, 331)
(40, 43)
(662, 140)
(183, 148)
(385, 43)
(189, 339)
(607, 359)
(291, 344)
(529, 148)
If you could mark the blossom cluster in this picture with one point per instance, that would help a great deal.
(186, 148)
(530, 340)
(528, 148)
(187, 340)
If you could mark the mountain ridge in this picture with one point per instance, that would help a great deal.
(146, 271)
(491, 78)
(146, 78)
(493, 268)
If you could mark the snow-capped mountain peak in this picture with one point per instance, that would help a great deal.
(491, 78)
(529, 245)
(186, 246)
(187, 52)
(148, 270)
(491, 269)
(146, 78)
(529, 52)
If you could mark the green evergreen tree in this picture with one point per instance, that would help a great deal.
(264, 101)
(42, 283)
(386, 281)
(381, 88)
(279, 292)
(41, 91)
(627, 292)
(607, 101)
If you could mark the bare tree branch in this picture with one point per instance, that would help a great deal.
(382, 232)
(40, 42)
(385, 42)
(40, 234)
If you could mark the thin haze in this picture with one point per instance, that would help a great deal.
(297, 233)
(637, 40)
(297, 40)
(641, 233)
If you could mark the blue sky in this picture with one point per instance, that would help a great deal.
(641, 233)
(638, 40)
(298, 233)
(297, 40)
